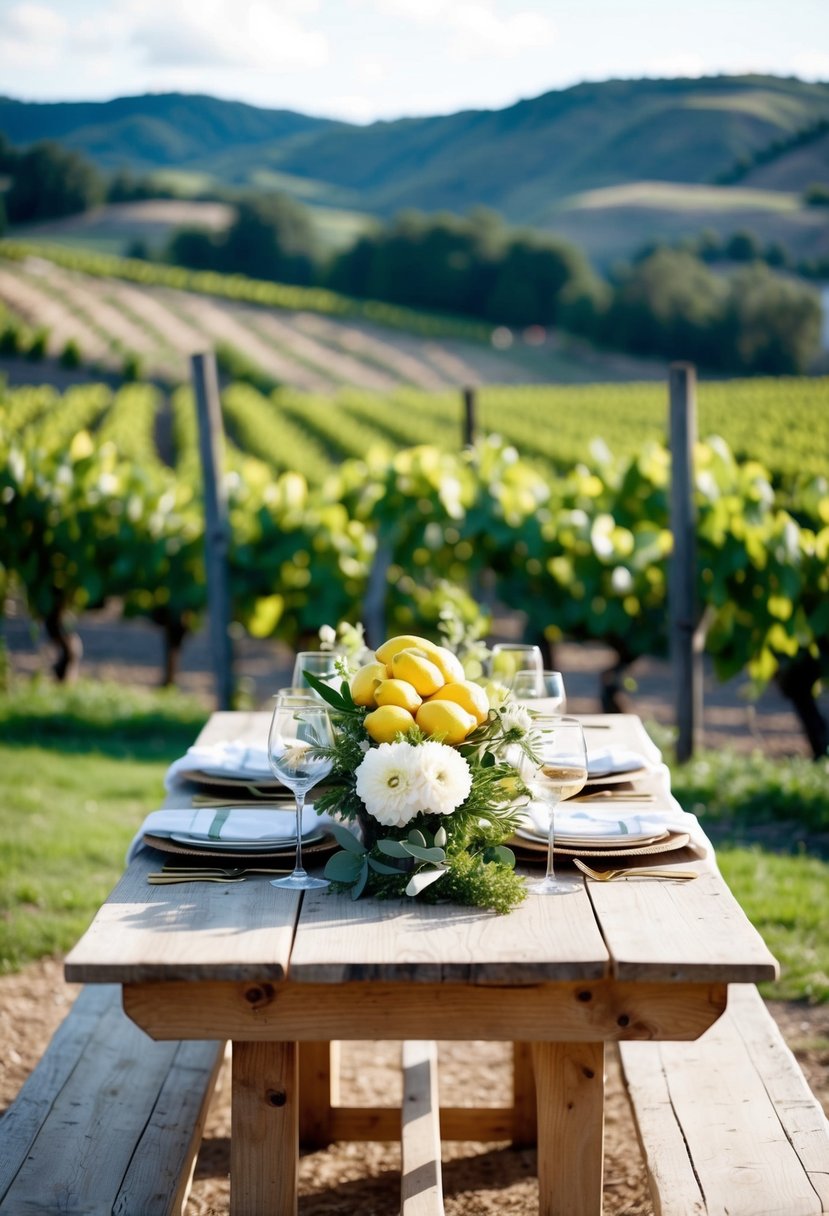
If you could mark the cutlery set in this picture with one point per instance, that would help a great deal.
(633, 872)
(173, 874)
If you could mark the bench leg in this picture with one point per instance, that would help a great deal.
(569, 1079)
(264, 1130)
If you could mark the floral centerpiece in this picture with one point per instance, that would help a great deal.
(422, 773)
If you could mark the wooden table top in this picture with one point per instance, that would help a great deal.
(250, 931)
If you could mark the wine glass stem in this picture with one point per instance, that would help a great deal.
(299, 799)
(551, 873)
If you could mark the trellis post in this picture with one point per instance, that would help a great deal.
(685, 650)
(216, 526)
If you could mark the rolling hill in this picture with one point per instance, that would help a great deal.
(535, 162)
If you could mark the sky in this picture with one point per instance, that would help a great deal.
(363, 60)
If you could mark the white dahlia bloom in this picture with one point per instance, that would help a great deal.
(515, 720)
(444, 778)
(388, 784)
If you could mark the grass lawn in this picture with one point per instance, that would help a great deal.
(83, 766)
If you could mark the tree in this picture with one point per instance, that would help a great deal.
(772, 323)
(272, 237)
(51, 181)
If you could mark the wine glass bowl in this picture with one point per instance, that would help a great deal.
(509, 659)
(320, 663)
(558, 771)
(300, 731)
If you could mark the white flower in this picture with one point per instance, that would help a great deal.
(387, 782)
(515, 720)
(397, 781)
(444, 778)
(328, 637)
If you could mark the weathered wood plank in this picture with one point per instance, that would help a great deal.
(421, 1184)
(569, 1079)
(24, 1118)
(120, 1119)
(601, 1010)
(211, 930)
(340, 940)
(714, 1139)
(264, 1130)
(680, 931)
(456, 1123)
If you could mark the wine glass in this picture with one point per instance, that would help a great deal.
(299, 727)
(320, 663)
(558, 771)
(548, 686)
(510, 658)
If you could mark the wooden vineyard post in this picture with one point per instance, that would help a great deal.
(216, 527)
(686, 660)
(470, 423)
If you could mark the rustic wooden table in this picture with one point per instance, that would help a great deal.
(283, 975)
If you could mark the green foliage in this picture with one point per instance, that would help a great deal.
(50, 180)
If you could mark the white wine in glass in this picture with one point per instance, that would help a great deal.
(558, 771)
(299, 728)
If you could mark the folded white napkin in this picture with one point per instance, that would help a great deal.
(585, 821)
(226, 823)
(235, 759)
(614, 760)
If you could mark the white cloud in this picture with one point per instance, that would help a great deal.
(217, 33)
(812, 65)
(475, 27)
(31, 37)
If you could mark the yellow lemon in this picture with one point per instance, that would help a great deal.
(446, 719)
(469, 696)
(417, 669)
(398, 692)
(404, 641)
(389, 720)
(364, 683)
(449, 664)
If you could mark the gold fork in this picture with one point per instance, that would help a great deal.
(632, 872)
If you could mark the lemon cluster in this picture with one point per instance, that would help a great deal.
(414, 682)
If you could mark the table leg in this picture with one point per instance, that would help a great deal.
(264, 1141)
(569, 1080)
(524, 1119)
(319, 1091)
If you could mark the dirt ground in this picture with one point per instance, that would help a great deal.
(478, 1179)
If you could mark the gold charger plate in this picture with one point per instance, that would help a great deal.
(528, 850)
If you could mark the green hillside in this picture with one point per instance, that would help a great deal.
(555, 162)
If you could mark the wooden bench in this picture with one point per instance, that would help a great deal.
(728, 1123)
(421, 1186)
(109, 1121)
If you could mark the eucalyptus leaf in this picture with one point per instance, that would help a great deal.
(417, 837)
(423, 879)
(425, 854)
(346, 839)
(343, 867)
(380, 867)
(360, 884)
(393, 848)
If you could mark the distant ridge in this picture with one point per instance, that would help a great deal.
(538, 162)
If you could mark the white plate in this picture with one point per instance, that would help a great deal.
(261, 845)
(616, 840)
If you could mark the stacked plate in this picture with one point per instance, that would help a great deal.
(599, 840)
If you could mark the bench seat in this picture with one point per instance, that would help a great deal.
(109, 1121)
(421, 1186)
(728, 1124)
